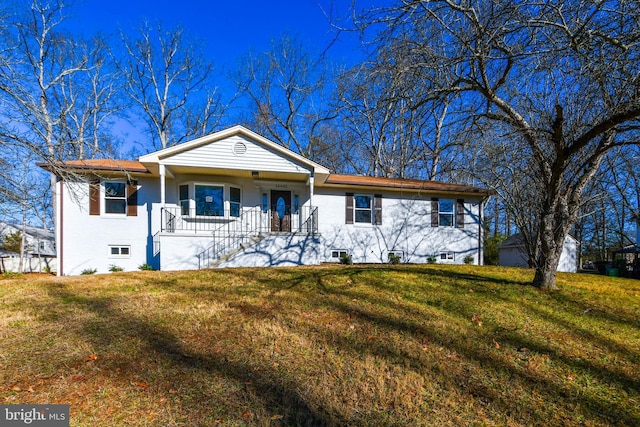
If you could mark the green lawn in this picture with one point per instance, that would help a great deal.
(332, 345)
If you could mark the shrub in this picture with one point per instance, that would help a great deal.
(432, 260)
(11, 274)
(114, 268)
(345, 258)
(88, 271)
(145, 267)
(394, 259)
(468, 259)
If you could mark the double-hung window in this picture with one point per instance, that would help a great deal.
(363, 208)
(446, 213)
(115, 198)
(209, 200)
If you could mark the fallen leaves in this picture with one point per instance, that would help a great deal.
(91, 358)
(476, 319)
(143, 385)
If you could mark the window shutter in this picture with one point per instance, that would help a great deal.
(460, 213)
(434, 212)
(132, 198)
(377, 209)
(94, 198)
(349, 209)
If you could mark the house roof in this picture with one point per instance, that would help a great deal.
(98, 165)
(401, 184)
(149, 164)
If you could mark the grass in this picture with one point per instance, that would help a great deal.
(332, 345)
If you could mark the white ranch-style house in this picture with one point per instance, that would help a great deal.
(235, 198)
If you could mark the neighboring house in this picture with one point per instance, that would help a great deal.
(512, 253)
(39, 251)
(235, 198)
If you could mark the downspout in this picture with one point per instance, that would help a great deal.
(59, 228)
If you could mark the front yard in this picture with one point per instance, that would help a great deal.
(331, 345)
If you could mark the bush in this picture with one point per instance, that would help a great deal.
(11, 274)
(88, 271)
(468, 259)
(145, 267)
(114, 268)
(432, 260)
(394, 259)
(345, 259)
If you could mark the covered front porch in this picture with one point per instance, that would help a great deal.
(232, 232)
(225, 192)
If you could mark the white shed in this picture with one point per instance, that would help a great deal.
(512, 253)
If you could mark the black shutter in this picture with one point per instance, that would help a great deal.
(460, 213)
(434, 211)
(348, 214)
(132, 198)
(377, 209)
(94, 197)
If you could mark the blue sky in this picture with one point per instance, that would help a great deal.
(229, 28)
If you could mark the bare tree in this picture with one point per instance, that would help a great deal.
(169, 80)
(39, 65)
(92, 98)
(559, 79)
(286, 89)
(381, 105)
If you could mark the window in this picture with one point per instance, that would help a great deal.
(446, 213)
(363, 209)
(265, 203)
(339, 253)
(115, 199)
(296, 204)
(119, 251)
(41, 246)
(447, 256)
(234, 201)
(184, 199)
(209, 200)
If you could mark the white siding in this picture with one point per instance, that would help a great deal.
(86, 239)
(220, 154)
(406, 227)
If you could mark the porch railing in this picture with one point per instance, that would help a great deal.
(229, 230)
(256, 219)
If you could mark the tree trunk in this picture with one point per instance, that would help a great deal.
(545, 277)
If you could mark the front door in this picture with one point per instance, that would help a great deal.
(280, 210)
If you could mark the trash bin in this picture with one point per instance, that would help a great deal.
(613, 272)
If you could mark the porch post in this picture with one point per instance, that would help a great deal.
(162, 186)
(311, 179)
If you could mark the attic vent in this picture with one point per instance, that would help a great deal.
(239, 148)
